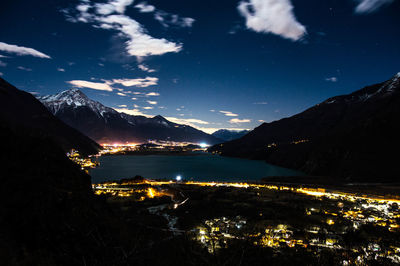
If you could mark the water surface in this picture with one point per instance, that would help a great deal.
(204, 167)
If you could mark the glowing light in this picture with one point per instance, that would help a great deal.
(203, 145)
(178, 178)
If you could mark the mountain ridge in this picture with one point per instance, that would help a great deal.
(107, 125)
(355, 131)
(21, 111)
(228, 135)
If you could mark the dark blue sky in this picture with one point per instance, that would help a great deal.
(253, 59)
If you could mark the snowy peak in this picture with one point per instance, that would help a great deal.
(373, 92)
(392, 84)
(229, 134)
(73, 98)
(70, 97)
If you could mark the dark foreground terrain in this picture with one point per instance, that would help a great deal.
(50, 216)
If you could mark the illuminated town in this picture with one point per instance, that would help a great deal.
(84, 162)
(152, 146)
(357, 227)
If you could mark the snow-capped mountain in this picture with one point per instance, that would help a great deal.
(228, 135)
(351, 136)
(106, 125)
(22, 113)
(73, 98)
(369, 93)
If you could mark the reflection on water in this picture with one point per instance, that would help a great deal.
(203, 167)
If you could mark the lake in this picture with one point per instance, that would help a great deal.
(203, 167)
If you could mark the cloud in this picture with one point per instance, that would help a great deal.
(227, 113)
(1, 74)
(145, 68)
(91, 85)
(272, 16)
(3, 56)
(131, 112)
(145, 8)
(2, 64)
(110, 16)
(24, 68)
(187, 121)
(237, 121)
(262, 103)
(61, 69)
(332, 79)
(134, 98)
(152, 94)
(370, 6)
(261, 121)
(166, 19)
(21, 50)
(139, 82)
(121, 94)
(148, 107)
(152, 102)
(122, 105)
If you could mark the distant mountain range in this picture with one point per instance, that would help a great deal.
(354, 136)
(106, 125)
(228, 135)
(20, 112)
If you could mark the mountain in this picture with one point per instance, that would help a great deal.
(22, 112)
(106, 125)
(228, 135)
(352, 136)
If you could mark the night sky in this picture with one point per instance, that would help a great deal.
(210, 64)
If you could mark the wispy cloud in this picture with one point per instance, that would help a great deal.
(272, 16)
(3, 56)
(61, 69)
(21, 50)
(146, 68)
(24, 68)
(139, 82)
(148, 107)
(106, 85)
(152, 102)
(187, 121)
(152, 94)
(91, 85)
(227, 113)
(332, 79)
(145, 8)
(3, 64)
(261, 103)
(237, 121)
(111, 16)
(132, 112)
(166, 19)
(370, 6)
